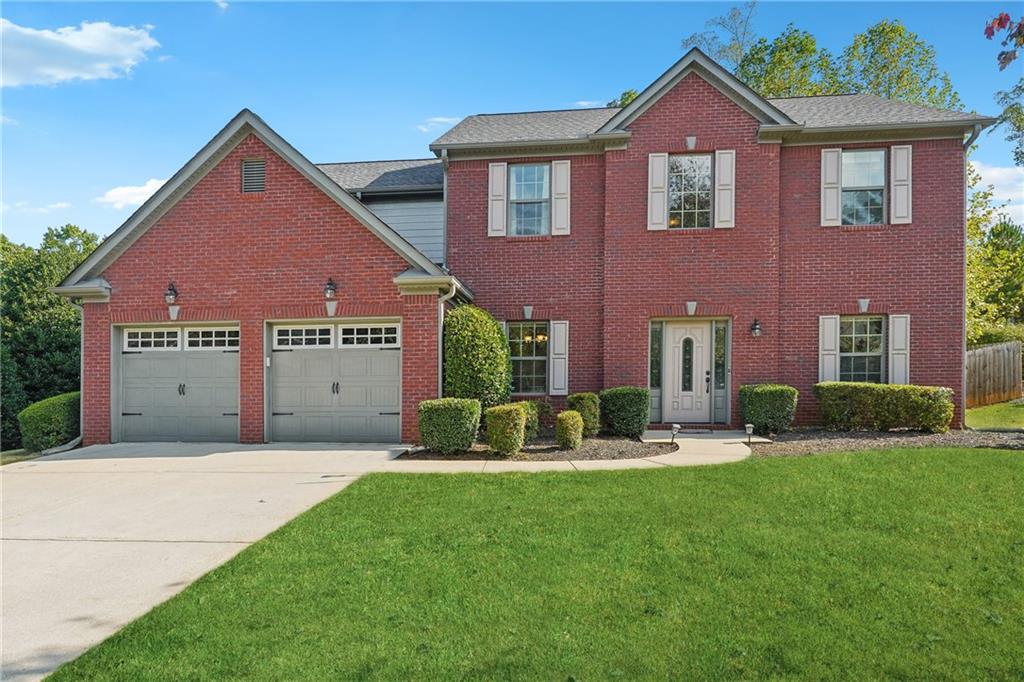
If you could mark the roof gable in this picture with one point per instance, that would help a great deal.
(242, 125)
(697, 62)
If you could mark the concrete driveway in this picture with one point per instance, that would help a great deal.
(96, 537)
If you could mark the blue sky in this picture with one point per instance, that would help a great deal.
(361, 81)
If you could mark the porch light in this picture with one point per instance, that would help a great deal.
(675, 430)
(750, 432)
(171, 295)
(755, 328)
(330, 289)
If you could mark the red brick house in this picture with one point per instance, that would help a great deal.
(701, 238)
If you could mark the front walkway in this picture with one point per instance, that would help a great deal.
(93, 538)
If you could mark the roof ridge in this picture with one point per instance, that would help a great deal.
(544, 111)
(840, 94)
(352, 163)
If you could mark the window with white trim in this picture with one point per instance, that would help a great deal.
(211, 339)
(529, 199)
(862, 348)
(863, 174)
(368, 336)
(316, 336)
(689, 191)
(528, 345)
(152, 339)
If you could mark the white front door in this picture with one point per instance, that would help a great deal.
(687, 383)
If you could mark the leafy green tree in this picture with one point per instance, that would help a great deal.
(790, 65)
(727, 38)
(624, 99)
(12, 400)
(39, 330)
(1012, 100)
(891, 61)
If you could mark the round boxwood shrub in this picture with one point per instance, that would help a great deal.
(531, 408)
(589, 407)
(476, 357)
(771, 408)
(849, 406)
(449, 424)
(506, 426)
(50, 422)
(569, 430)
(626, 410)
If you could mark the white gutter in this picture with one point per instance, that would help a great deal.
(453, 289)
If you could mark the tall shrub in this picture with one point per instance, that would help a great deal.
(851, 406)
(626, 410)
(771, 408)
(476, 357)
(506, 426)
(449, 424)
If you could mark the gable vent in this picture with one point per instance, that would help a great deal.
(254, 175)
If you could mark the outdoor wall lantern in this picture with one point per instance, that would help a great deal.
(755, 328)
(330, 291)
(171, 298)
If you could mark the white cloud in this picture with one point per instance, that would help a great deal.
(436, 122)
(130, 195)
(95, 49)
(7, 121)
(25, 207)
(1007, 188)
(587, 103)
(221, 4)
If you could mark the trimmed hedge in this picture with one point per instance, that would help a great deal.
(771, 408)
(50, 422)
(449, 424)
(850, 406)
(531, 408)
(506, 426)
(626, 410)
(569, 430)
(589, 407)
(476, 357)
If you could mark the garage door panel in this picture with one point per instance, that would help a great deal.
(352, 396)
(386, 364)
(353, 363)
(384, 397)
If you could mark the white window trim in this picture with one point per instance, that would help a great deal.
(547, 356)
(327, 346)
(668, 194)
(396, 325)
(511, 203)
(128, 330)
(883, 354)
(186, 330)
(884, 186)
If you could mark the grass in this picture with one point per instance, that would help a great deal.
(1000, 416)
(892, 564)
(19, 455)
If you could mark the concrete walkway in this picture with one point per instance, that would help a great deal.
(95, 537)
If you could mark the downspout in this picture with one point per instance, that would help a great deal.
(74, 442)
(974, 136)
(452, 290)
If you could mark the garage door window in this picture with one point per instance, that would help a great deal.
(303, 337)
(369, 336)
(151, 339)
(211, 339)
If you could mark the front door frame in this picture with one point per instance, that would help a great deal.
(715, 393)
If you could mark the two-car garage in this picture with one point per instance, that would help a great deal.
(324, 382)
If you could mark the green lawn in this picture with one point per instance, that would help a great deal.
(999, 416)
(891, 564)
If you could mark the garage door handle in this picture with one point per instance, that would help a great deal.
(131, 414)
(229, 414)
(389, 414)
(281, 414)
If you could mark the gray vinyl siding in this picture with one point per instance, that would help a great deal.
(419, 221)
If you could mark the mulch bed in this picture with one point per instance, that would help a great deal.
(808, 441)
(544, 449)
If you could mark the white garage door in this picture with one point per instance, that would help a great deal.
(179, 384)
(336, 383)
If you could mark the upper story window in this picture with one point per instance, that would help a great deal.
(254, 175)
(689, 191)
(862, 348)
(528, 344)
(863, 174)
(529, 193)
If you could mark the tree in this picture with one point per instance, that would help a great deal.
(1012, 100)
(39, 330)
(790, 65)
(892, 62)
(624, 99)
(727, 38)
(1014, 36)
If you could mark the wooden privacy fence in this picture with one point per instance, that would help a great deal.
(994, 374)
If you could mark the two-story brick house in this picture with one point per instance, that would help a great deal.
(698, 239)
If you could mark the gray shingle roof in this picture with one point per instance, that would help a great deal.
(527, 126)
(386, 175)
(852, 110)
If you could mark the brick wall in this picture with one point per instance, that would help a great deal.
(253, 257)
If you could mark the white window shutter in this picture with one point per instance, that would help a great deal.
(899, 349)
(725, 188)
(560, 201)
(831, 187)
(828, 348)
(657, 192)
(497, 205)
(558, 358)
(900, 184)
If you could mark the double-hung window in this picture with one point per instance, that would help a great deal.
(529, 194)
(863, 174)
(528, 344)
(689, 191)
(862, 348)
